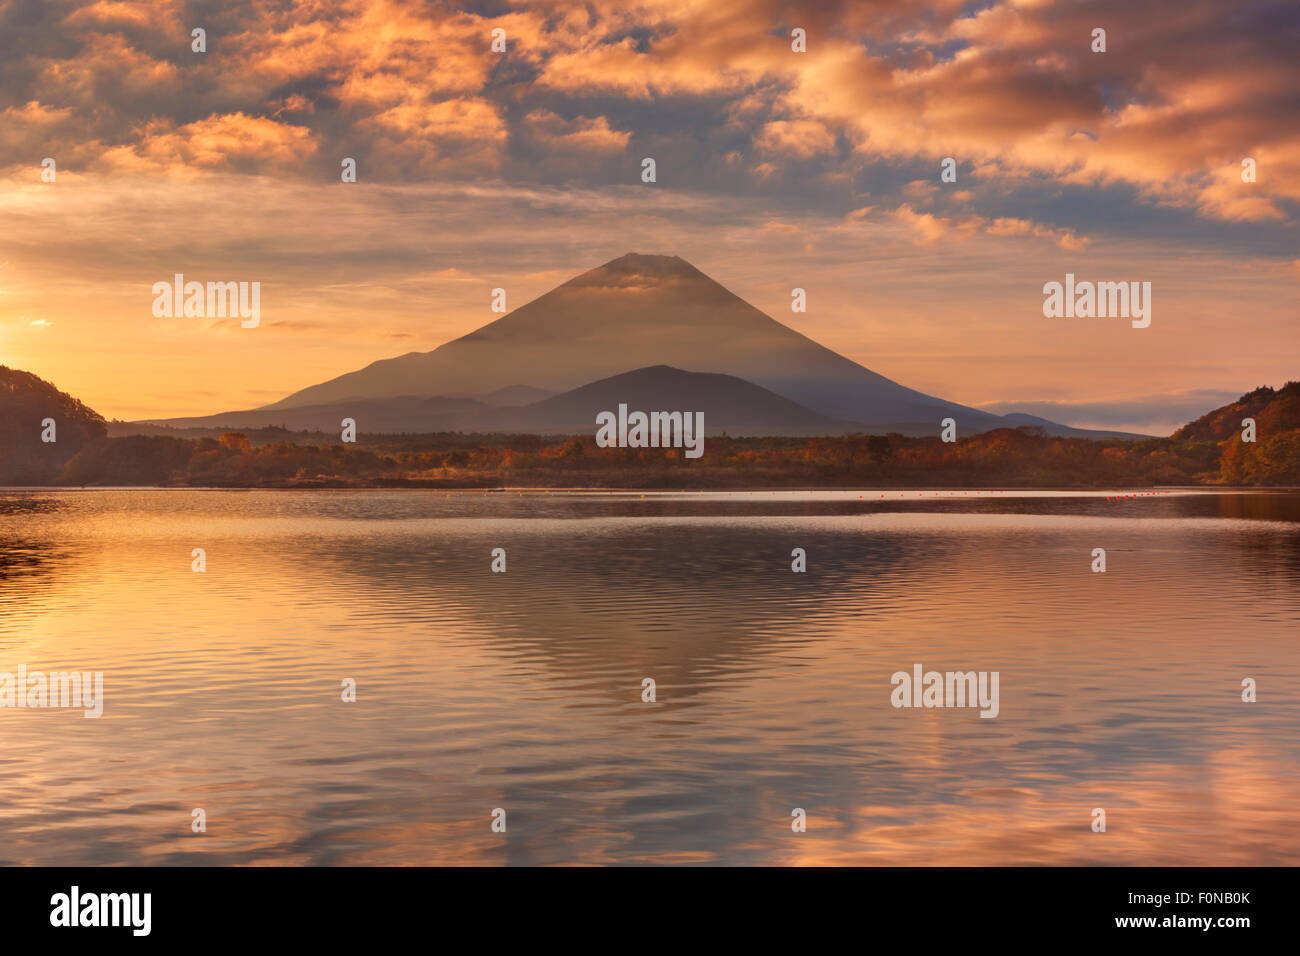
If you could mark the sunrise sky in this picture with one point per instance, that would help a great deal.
(775, 169)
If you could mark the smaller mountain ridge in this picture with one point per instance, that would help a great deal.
(729, 404)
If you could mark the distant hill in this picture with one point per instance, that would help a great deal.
(729, 405)
(1274, 410)
(1019, 419)
(1273, 458)
(25, 402)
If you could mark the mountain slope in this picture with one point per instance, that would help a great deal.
(1273, 458)
(25, 402)
(404, 413)
(729, 404)
(1273, 410)
(637, 311)
(511, 395)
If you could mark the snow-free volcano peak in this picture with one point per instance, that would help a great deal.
(635, 268)
(642, 310)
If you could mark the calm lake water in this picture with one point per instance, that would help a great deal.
(523, 691)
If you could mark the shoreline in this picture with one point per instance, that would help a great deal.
(936, 490)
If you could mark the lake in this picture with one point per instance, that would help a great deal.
(478, 691)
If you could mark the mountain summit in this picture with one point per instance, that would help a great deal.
(637, 311)
(634, 269)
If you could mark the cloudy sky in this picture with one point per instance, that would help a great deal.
(775, 169)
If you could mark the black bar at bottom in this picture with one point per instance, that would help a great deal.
(650, 907)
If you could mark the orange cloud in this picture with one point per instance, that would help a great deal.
(799, 137)
(125, 13)
(211, 143)
(581, 133)
(930, 228)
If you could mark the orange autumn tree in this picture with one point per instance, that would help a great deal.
(237, 442)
